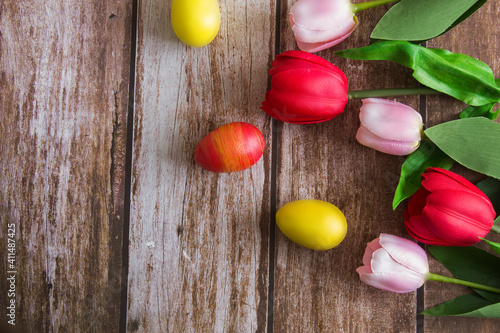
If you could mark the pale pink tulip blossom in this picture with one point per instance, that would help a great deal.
(320, 24)
(394, 264)
(389, 127)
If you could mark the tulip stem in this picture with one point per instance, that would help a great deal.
(369, 4)
(437, 277)
(391, 92)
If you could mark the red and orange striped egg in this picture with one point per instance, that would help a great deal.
(229, 148)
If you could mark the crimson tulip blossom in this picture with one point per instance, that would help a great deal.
(320, 24)
(448, 210)
(390, 127)
(305, 89)
(394, 264)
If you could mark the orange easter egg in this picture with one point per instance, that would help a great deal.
(229, 148)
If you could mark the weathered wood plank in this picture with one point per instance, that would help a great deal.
(199, 241)
(64, 100)
(320, 291)
(479, 38)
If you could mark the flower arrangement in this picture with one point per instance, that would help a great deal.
(445, 211)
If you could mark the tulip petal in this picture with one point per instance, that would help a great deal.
(293, 59)
(417, 202)
(305, 89)
(458, 216)
(364, 270)
(383, 262)
(367, 138)
(395, 282)
(417, 229)
(270, 109)
(307, 95)
(326, 86)
(406, 253)
(316, 47)
(435, 179)
(391, 120)
(370, 248)
(319, 24)
(322, 15)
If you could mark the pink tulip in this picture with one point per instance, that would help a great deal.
(320, 24)
(394, 264)
(389, 127)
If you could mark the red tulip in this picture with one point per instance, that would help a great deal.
(305, 89)
(448, 210)
(229, 148)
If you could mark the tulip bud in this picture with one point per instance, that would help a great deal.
(305, 89)
(232, 147)
(320, 24)
(448, 210)
(389, 127)
(394, 264)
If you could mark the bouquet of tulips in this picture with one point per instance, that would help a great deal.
(445, 211)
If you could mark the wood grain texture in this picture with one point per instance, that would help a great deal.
(64, 98)
(478, 38)
(199, 241)
(205, 255)
(320, 291)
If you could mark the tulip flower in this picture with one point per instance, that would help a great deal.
(394, 264)
(389, 127)
(320, 24)
(399, 265)
(308, 89)
(305, 89)
(448, 210)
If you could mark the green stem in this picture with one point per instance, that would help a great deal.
(357, 7)
(392, 92)
(437, 277)
(496, 228)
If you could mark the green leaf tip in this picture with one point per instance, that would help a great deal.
(420, 20)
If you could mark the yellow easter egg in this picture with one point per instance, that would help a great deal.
(315, 224)
(195, 22)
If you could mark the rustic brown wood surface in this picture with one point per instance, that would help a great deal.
(320, 291)
(132, 236)
(65, 70)
(199, 241)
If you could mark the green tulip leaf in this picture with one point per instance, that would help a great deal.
(455, 74)
(494, 246)
(472, 142)
(427, 155)
(471, 264)
(471, 305)
(491, 187)
(480, 111)
(419, 20)
(496, 225)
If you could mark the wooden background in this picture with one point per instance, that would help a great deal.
(117, 228)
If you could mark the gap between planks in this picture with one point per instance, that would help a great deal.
(128, 170)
